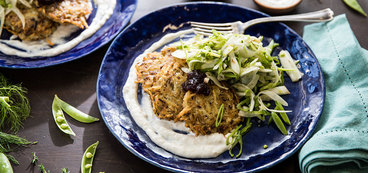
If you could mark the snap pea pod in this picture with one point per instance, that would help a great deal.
(355, 6)
(60, 118)
(74, 112)
(87, 159)
(5, 166)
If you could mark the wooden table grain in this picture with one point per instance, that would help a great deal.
(75, 82)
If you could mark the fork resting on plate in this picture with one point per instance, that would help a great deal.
(239, 27)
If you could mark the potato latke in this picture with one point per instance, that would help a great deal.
(161, 76)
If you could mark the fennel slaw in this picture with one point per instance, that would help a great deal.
(243, 63)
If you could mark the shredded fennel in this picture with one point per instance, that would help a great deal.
(244, 64)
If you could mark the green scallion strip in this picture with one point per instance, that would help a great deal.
(279, 123)
(219, 115)
(285, 69)
(240, 141)
(269, 120)
(237, 137)
(283, 115)
(232, 134)
(239, 105)
(182, 47)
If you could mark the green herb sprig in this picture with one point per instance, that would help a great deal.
(65, 170)
(43, 169)
(35, 158)
(14, 105)
(8, 140)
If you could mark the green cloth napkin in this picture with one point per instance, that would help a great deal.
(340, 142)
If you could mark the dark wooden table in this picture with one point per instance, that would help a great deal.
(75, 82)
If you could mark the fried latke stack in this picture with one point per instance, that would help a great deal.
(42, 19)
(68, 11)
(161, 76)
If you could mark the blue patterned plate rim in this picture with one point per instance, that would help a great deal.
(121, 16)
(313, 121)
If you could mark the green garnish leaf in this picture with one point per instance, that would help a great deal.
(219, 115)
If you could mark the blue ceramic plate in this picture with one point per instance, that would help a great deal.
(120, 18)
(306, 98)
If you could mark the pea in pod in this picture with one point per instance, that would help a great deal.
(74, 112)
(87, 160)
(60, 118)
(355, 6)
(5, 166)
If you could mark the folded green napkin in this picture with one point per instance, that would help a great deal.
(340, 141)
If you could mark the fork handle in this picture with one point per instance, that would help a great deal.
(317, 16)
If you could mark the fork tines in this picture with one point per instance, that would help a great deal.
(206, 28)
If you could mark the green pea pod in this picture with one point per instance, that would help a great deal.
(355, 6)
(60, 118)
(5, 166)
(75, 113)
(87, 160)
(279, 123)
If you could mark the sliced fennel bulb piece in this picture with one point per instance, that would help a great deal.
(179, 54)
(288, 62)
(272, 95)
(214, 79)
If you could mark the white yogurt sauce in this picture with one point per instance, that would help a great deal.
(105, 8)
(278, 3)
(162, 132)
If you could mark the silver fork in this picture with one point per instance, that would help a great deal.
(240, 27)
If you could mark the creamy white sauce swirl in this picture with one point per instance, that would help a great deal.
(162, 132)
(105, 8)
